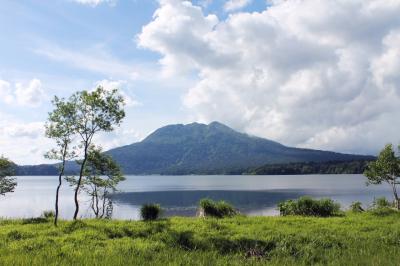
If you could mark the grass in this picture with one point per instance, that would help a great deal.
(354, 239)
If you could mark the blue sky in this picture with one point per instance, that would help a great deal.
(69, 46)
(308, 73)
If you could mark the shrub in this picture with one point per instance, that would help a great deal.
(380, 203)
(382, 207)
(217, 209)
(48, 214)
(150, 212)
(308, 206)
(356, 206)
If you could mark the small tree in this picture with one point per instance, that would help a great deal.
(7, 169)
(99, 110)
(60, 127)
(385, 169)
(101, 177)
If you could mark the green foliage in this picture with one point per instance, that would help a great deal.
(60, 127)
(356, 206)
(307, 206)
(381, 202)
(355, 239)
(385, 169)
(218, 209)
(91, 112)
(48, 214)
(150, 212)
(308, 168)
(101, 177)
(7, 183)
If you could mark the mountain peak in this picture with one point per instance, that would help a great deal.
(214, 148)
(180, 132)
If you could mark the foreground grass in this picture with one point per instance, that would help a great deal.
(355, 239)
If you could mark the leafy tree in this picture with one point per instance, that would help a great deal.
(7, 169)
(96, 111)
(101, 177)
(385, 169)
(60, 126)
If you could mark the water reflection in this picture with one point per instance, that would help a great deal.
(179, 195)
(258, 202)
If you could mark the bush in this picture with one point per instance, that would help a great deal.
(356, 206)
(217, 209)
(307, 206)
(382, 207)
(380, 203)
(48, 214)
(150, 212)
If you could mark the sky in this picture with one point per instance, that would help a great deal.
(307, 73)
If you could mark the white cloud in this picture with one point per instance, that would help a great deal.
(320, 74)
(233, 5)
(31, 94)
(95, 3)
(6, 92)
(121, 86)
(22, 141)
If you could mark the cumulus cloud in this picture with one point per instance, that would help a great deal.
(30, 94)
(319, 74)
(233, 5)
(21, 141)
(6, 92)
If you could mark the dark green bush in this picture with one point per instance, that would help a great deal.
(150, 212)
(356, 206)
(217, 209)
(307, 206)
(37, 220)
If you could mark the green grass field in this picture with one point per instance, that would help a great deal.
(355, 239)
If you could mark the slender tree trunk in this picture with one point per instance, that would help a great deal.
(59, 185)
(396, 196)
(97, 202)
(78, 186)
(104, 202)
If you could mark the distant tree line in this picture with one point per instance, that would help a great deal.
(307, 168)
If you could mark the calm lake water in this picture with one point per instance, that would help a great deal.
(179, 195)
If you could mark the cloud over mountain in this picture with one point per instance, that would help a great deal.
(310, 73)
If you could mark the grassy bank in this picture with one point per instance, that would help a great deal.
(355, 239)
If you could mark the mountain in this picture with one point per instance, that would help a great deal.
(211, 149)
(203, 149)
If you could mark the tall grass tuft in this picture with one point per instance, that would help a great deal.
(218, 209)
(307, 206)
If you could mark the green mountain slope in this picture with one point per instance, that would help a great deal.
(211, 149)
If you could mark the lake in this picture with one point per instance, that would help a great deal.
(179, 195)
